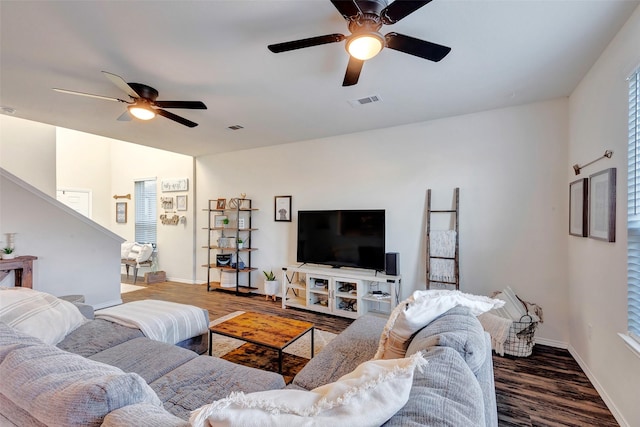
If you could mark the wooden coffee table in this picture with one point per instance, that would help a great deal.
(270, 331)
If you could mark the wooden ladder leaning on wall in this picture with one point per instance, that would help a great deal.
(443, 283)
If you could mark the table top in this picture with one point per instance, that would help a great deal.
(271, 331)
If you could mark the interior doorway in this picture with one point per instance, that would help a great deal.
(76, 199)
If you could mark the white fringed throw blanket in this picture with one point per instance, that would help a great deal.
(164, 321)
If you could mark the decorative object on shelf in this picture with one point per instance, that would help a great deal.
(240, 244)
(221, 203)
(8, 253)
(220, 221)
(167, 203)
(579, 207)
(121, 212)
(241, 223)
(602, 205)
(271, 285)
(181, 203)
(234, 203)
(175, 184)
(223, 260)
(577, 168)
(126, 196)
(282, 208)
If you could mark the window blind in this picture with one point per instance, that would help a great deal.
(633, 211)
(145, 199)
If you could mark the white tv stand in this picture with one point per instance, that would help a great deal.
(342, 292)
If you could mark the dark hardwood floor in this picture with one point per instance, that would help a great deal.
(546, 389)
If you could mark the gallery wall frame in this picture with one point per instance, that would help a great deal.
(282, 208)
(602, 205)
(121, 212)
(579, 207)
(181, 203)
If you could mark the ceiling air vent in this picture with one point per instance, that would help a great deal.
(366, 100)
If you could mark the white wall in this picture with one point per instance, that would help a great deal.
(175, 242)
(598, 270)
(75, 255)
(28, 149)
(84, 162)
(510, 167)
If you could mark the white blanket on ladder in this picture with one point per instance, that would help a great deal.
(164, 321)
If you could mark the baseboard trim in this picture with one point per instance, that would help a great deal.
(601, 391)
(551, 343)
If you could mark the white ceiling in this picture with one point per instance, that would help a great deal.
(504, 52)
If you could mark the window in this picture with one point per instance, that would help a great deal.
(145, 199)
(633, 211)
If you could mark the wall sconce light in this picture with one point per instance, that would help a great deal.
(577, 167)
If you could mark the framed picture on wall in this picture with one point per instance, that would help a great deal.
(181, 203)
(602, 205)
(579, 207)
(121, 212)
(282, 208)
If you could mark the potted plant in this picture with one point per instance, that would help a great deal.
(8, 253)
(271, 285)
(240, 244)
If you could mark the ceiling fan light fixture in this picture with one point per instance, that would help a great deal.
(365, 45)
(141, 112)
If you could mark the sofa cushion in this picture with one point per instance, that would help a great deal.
(377, 388)
(356, 344)
(142, 415)
(96, 336)
(60, 388)
(11, 339)
(205, 379)
(458, 329)
(421, 308)
(147, 358)
(446, 393)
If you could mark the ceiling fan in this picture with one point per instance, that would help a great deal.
(142, 103)
(365, 18)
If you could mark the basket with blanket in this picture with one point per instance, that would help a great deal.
(513, 326)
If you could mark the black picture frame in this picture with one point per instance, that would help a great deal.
(282, 208)
(602, 205)
(579, 207)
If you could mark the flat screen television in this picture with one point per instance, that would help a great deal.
(342, 238)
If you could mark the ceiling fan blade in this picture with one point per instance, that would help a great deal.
(193, 105)
(119, 81)
(175, 118)
(353, 71)
(124, 117)
(400, 9)
(90, 95)
(347, 8)
(302, 43)
(416, 47)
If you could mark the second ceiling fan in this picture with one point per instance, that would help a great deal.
(365, 18)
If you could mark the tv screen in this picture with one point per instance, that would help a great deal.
(342, 238)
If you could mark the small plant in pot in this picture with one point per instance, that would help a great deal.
(8, 253)
(271, 285)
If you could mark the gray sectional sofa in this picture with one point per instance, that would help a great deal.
(105, 374)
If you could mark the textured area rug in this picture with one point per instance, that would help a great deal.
(295, 356)
(125, 287)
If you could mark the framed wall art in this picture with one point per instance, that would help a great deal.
(602, 205)
(121, 212)
(181, 203)
(282, 208)
(579, 207)
(221, 203)
(175, 184)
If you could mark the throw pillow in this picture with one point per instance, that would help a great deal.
(368, 396)
(419, 310)
(39, 314)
